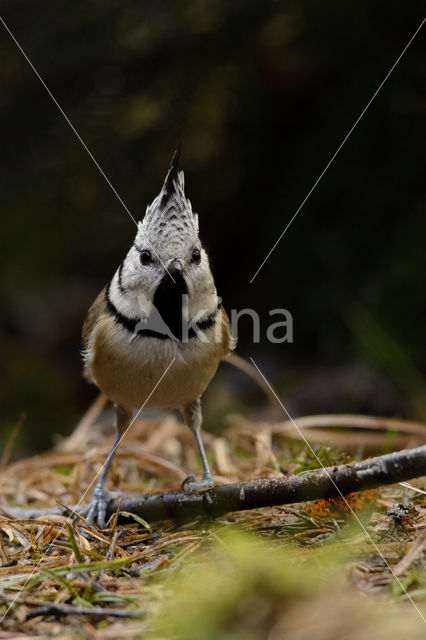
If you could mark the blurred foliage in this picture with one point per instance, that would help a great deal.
(255, 591)
(260, 94)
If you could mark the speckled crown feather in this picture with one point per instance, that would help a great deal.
(169, 219)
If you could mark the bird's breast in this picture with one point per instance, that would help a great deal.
(136, 371)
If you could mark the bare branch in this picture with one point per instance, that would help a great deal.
(321, 483)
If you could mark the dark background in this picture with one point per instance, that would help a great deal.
(260, 94)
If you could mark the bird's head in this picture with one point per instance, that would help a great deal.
(167, 258)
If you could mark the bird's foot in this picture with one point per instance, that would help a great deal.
(96, 511)
(192, 485)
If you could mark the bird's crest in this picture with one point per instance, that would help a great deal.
(170, 217)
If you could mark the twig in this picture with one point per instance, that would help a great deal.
(321, 483)
(267, 492)
(414, 554)
(246, 367)
(354, 421)
(60, 610)
(78, 437)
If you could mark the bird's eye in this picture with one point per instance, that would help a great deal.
(196, 256)
(145, 256)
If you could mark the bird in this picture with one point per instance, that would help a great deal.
(155, 335)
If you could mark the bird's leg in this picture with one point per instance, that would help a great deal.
(97, 509)
(193, 418)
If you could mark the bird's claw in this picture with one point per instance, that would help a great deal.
(192, 485)
(96, 511)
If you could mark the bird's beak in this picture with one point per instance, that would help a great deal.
(175, 266)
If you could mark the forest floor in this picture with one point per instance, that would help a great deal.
(300, 571)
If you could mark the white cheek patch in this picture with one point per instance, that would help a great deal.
(145, 306)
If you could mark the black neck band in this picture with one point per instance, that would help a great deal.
(130, 324)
